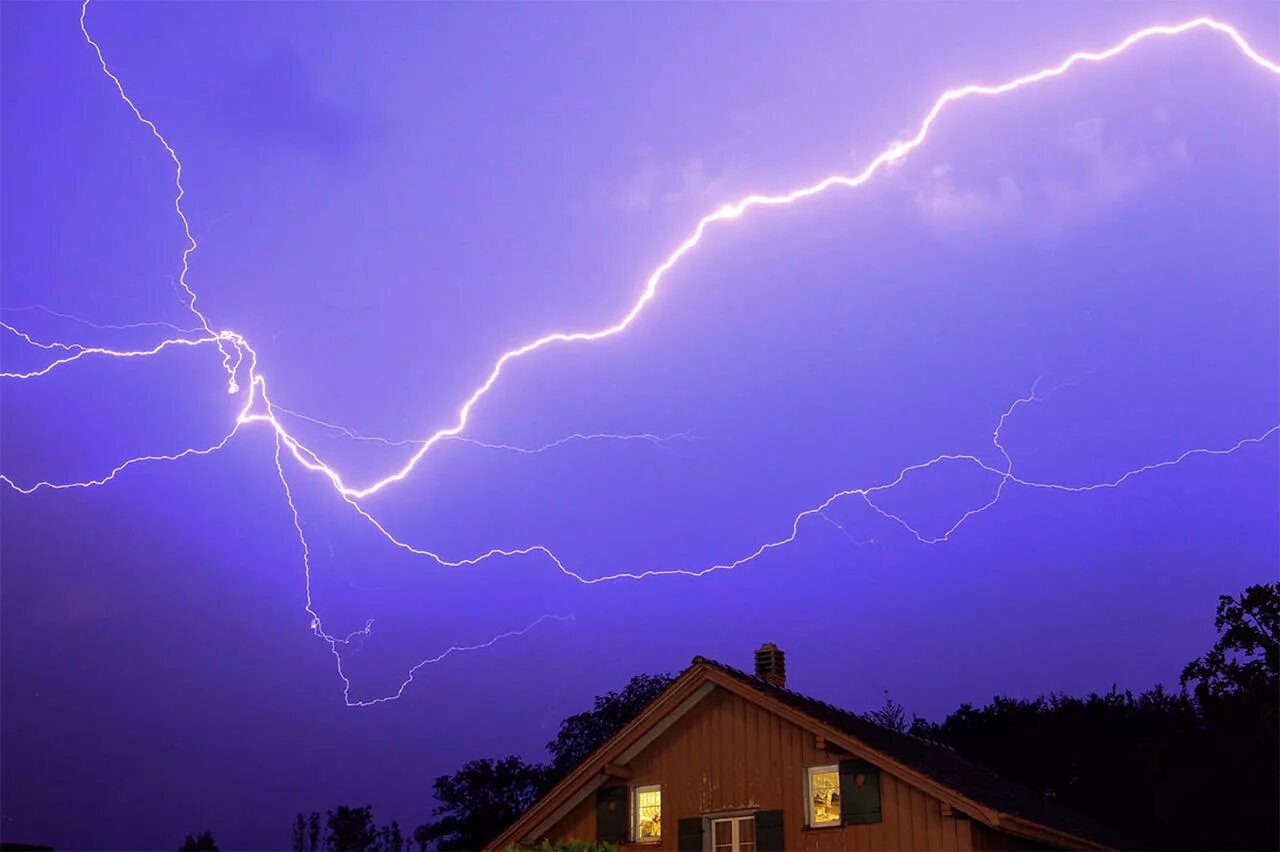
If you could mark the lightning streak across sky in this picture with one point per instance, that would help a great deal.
(102, 326)
(656, 440)
(240, 362)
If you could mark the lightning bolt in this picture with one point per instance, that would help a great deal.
(26, 338)
(659, 441)
(84, 351)
(336, 644)
(100, 325)
(729, 212)
(1005, 474)
(240, 362)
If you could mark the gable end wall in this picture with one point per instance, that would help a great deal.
(727, 754)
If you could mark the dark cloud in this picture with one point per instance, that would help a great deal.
(281, 102)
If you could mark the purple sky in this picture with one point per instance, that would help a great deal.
(388, 196)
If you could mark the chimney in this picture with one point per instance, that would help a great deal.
(771, 664)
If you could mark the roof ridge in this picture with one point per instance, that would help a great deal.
(827, 704)
(993, 788)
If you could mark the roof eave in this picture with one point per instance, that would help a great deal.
(1022, 827)
(552, 803)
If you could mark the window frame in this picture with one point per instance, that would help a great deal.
(635, 812)
(735, 819)
(809, 772)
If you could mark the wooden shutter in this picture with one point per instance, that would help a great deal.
(769, 832)
(612, 819)
(690, 830)
(859, 792)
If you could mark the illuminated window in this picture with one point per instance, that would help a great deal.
(824, 795)
(647, 813)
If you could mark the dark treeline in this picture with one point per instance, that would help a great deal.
(346, 828)
(484, 796)
(1194, 769)
(202, 842)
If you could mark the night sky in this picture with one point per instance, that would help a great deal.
(389, 196)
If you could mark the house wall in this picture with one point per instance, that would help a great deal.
(728, 754)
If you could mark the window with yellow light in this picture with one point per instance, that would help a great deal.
(647, 818)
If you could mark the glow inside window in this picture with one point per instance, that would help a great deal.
(648, 813)
(824, 795)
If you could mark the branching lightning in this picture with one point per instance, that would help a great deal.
(84, 351)
(240, 362)
(29, 340)
(336, 644)
(660, 441)
(102, 326)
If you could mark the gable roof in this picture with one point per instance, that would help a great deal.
(942, 764)
(968, 787)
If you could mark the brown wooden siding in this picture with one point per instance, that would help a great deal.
(728, 754)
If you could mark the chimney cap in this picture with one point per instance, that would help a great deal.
(771, 664)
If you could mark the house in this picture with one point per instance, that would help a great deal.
(724, 761)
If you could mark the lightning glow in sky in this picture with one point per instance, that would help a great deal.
(240, 362)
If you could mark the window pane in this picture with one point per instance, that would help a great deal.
(824, 787)
(722, 835)
(649, 813)
(747, 831)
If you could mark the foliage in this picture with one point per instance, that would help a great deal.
(583, 733)
(1105, 754)
(1237, 692)
(1246, 658)
(202, 842)
(1175, 770)
(485, 796)
(306, 833)
(351, 828)
(347, 828)
(890, 715)
(479, 800)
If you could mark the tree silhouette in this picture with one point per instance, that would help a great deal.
(347, 828)
(300, 843)
(391, 839)
(479, 800)
(1196, 769)
(485, 796)
(351, 828)
(1237, 693)
(583, 733)
(1246, 658)
(202, 842)
(891, 715)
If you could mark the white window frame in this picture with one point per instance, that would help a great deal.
(809, 772)
(635, 812)
(736, 821)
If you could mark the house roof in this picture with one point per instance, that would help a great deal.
(940, 763)
(975, 790)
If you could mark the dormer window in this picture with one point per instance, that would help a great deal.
(646, 819)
